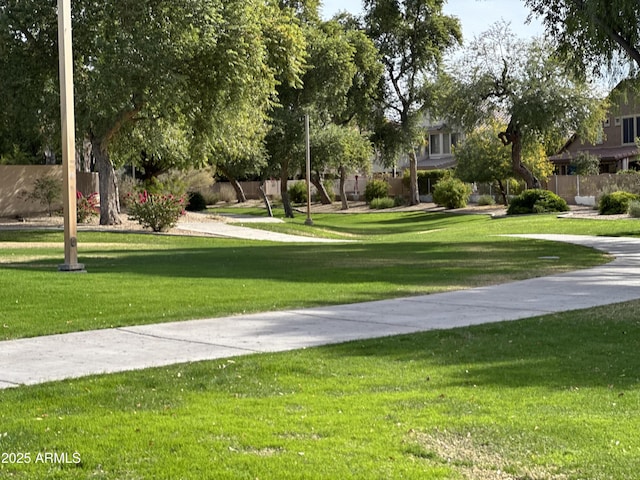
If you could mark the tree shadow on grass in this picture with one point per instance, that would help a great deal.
(413, 263)
(597, 347)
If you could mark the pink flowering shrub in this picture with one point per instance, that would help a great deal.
(86, 207)
(159, 212)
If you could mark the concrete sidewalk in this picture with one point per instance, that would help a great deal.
(228, 230)
(56, 357)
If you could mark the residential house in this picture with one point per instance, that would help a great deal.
(616, 148)
(437, 151)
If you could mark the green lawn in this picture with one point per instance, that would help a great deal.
(138, 279)
(552, 397)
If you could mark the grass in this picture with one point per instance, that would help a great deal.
(138, 279)
(552, 397)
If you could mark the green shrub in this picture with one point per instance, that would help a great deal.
(634, 208)
(616, 203)
(451, 193)
(196, 202)
(381, 203)
(399, 201)
(486, 200)
(426, 178)
(211, 198)
(298, 192)
(537, 201)
(86, 207)
(376, 189)
(46, 190)
(156, 211)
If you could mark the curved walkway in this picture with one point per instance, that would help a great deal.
(221, 229)
(56, 357)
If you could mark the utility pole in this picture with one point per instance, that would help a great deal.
(308, 221)
(68, 139)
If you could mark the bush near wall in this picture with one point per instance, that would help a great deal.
(376, 189)
(426, 179)
(451, 193)
(382, 203)
(616, 203)
(634, 208)
(537, 201)
(298, 192)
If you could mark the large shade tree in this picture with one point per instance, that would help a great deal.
(412, 36)
(522, 82)
(30, 107)
(209, 67)
(338, 87)
(589, 32)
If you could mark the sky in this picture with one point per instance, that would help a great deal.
(475, 15)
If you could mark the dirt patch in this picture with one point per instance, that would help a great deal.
(125, 225)
(479, 460)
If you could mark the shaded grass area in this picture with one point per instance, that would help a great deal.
(138, 279)
(390, 225)
(553, 397)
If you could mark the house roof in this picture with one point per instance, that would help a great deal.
(436, 163)
(604, 153)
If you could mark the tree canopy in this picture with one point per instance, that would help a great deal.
(208, 68)
(338, 88)
(590, 31)
(541, 101)
(412, 37)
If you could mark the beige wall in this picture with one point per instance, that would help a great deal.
(570, 186)
(15, 179)
(354, 188)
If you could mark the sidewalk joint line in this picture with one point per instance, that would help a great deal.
(10, 382)
(172, 339)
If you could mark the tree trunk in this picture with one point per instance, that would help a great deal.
(265, 199)
(240, 196)
(109, 200)
(83, 156)
(325, 199)
(343, 188)
(512, 136)
(414, 194)
(516, 159)
(503, 192)
(49, 156)
(284, 178)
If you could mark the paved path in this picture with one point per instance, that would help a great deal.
(222, 229)
(41, 359)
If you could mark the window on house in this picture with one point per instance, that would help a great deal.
(630, 129)
(454, 139)
(441, 143)
(446, 143)
(434, 144)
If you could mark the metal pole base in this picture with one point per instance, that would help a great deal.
(308, 221)
(73, 268)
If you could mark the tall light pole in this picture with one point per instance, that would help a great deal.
(308, 221)
(65, 55)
